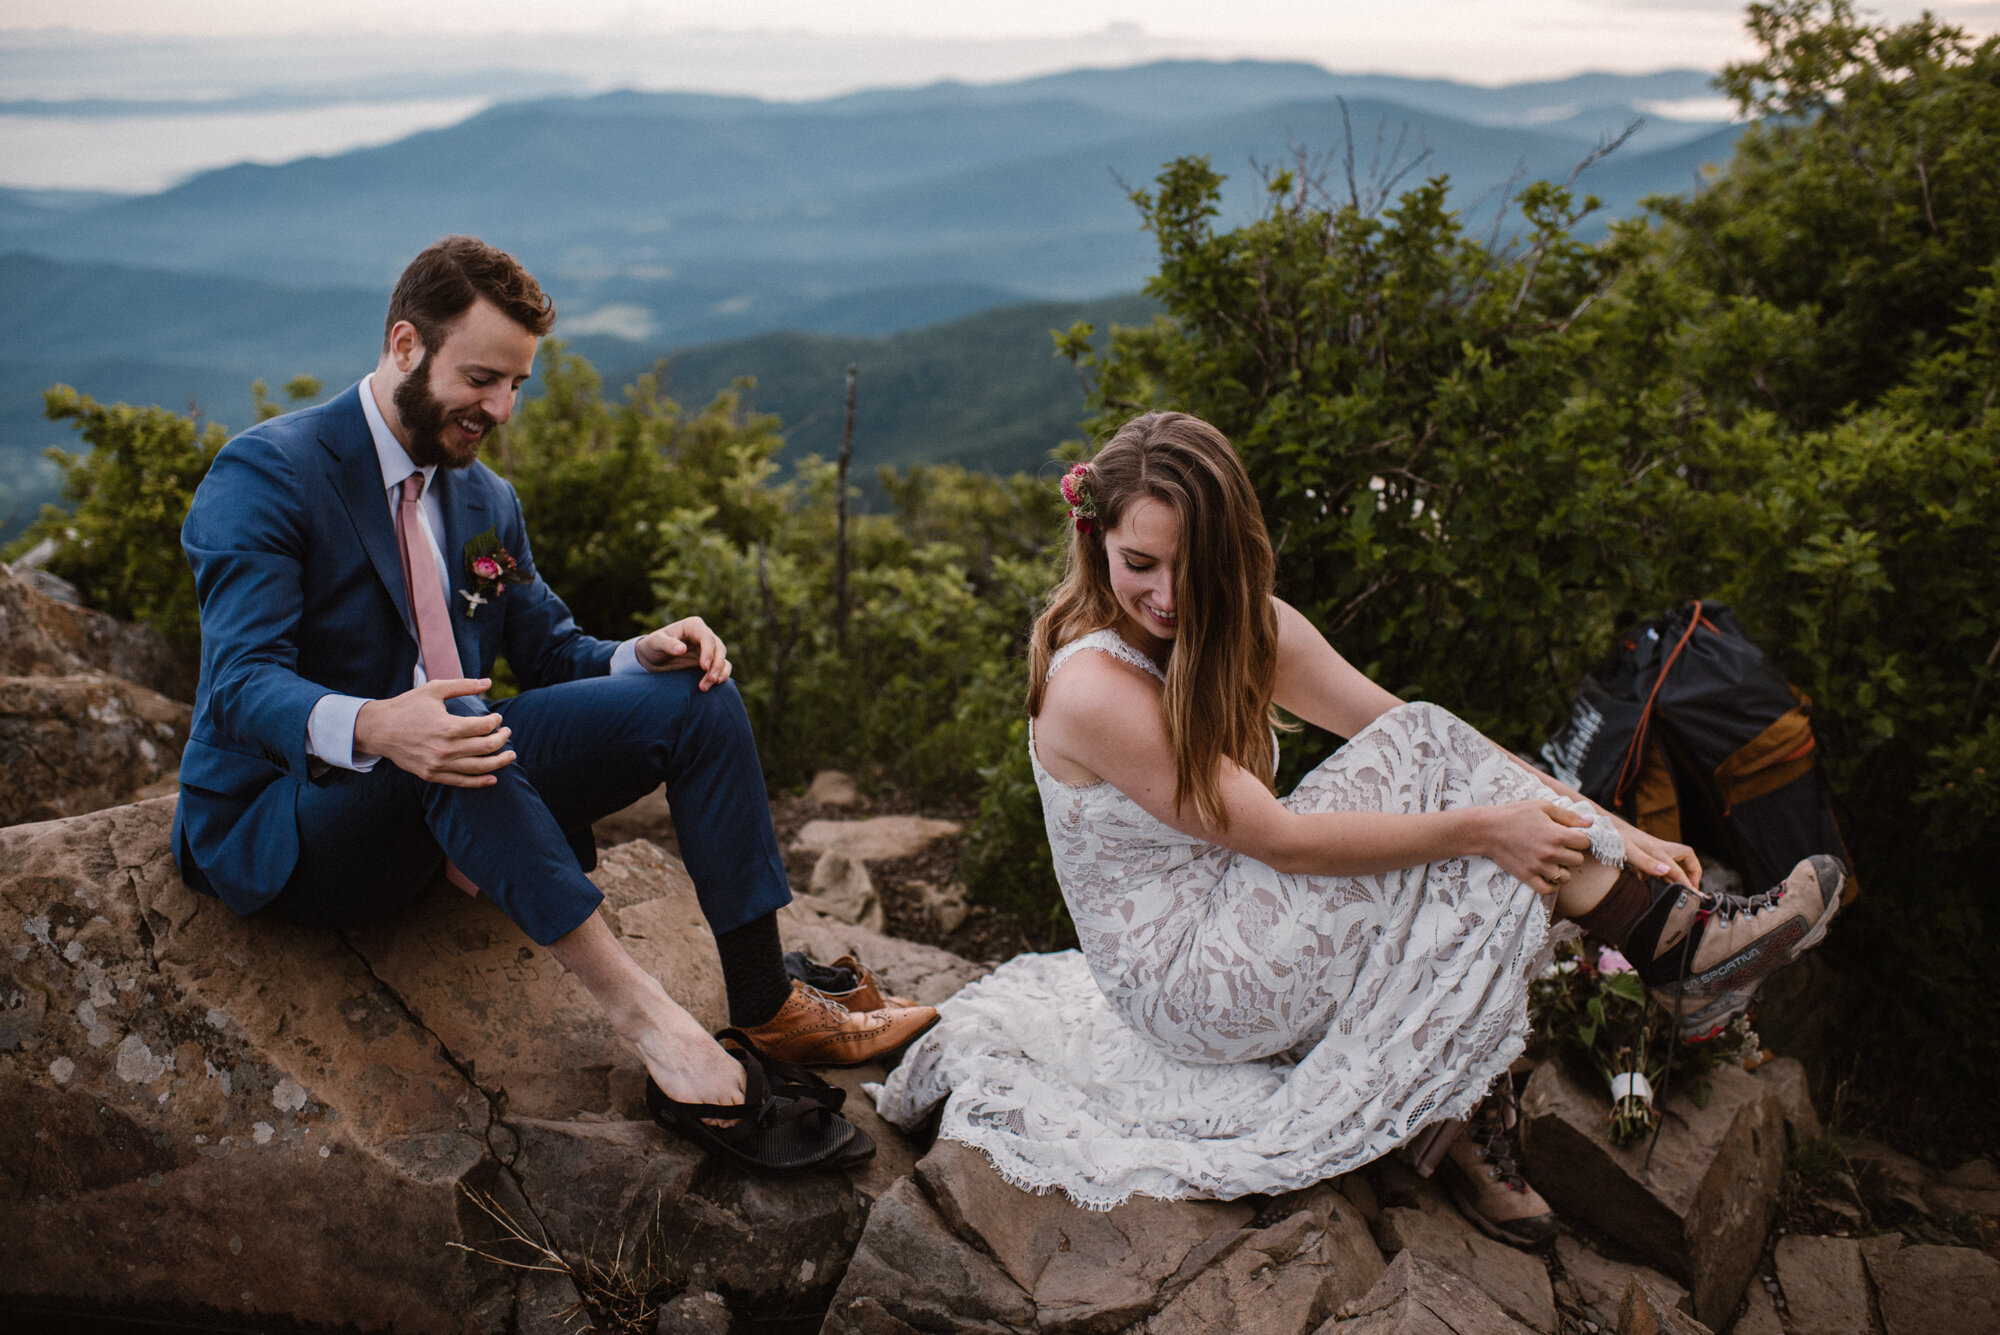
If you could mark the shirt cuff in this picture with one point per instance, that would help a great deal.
(625, 659)
(330, 733)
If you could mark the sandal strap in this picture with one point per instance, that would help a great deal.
(787, 1078)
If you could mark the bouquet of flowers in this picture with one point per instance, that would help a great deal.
(1592, 1004)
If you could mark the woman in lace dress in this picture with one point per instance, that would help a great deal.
(1270, 992)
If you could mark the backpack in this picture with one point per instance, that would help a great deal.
(1687, 731)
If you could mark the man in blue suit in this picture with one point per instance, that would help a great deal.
(359, 571)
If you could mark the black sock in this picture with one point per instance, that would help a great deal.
(753, 971)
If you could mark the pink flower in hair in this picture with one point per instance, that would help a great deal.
(1076, 490)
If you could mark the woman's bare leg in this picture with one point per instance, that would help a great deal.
(688, 1065)
(1585, 887)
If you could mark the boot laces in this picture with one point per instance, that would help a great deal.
(1496, 1149)
(1728, 907)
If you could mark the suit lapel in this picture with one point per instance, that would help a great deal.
(465, 518)
(357, 479)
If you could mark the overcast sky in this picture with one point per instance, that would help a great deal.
(1482, 40)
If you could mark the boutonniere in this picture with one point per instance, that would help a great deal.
(491, 569)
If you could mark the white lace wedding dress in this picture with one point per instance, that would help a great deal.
(1228, 1028)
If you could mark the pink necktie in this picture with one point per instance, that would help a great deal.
(433, 618)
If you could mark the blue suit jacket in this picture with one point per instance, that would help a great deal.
(295, 563)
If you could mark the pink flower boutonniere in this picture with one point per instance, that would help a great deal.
(491, 570)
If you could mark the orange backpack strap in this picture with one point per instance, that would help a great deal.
(1635, 754)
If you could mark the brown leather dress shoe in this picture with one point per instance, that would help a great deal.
(815, 1030)
(866, 995)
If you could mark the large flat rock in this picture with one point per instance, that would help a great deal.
(876, 839)
(1929, 1289)
(240, 1117)
(1700, 1211)
(1825, 1285)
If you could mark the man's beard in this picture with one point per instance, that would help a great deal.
(428, 423)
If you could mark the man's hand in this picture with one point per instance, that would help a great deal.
(418, 735)
(687, 643)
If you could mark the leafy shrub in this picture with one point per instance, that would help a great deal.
(121, 545)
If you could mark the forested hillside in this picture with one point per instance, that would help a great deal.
(669, 222)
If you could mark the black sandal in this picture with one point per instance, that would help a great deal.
(788, 1079)
(769, 1132)
(793, 1081)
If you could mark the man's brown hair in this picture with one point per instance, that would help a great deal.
(442, 283)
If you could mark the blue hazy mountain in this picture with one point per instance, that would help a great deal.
(669, 221)
(713, 191)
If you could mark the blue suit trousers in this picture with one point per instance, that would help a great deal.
(371, 842)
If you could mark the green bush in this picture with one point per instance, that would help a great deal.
(121, 544)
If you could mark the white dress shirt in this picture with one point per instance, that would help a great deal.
(330, 726)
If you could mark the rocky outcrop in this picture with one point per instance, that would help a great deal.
(831, 788)
(81, 743)
(1415, 1297)
(1700, 1209)
(241, 1117)
(42, 637)
(1417, 1217)
(92, 710)
(956, 1248)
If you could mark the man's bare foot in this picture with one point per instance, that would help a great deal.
(687, 1065)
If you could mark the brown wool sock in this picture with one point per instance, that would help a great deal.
(1620, 909)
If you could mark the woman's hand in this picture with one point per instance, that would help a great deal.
(1654, 856)
(1539, 843)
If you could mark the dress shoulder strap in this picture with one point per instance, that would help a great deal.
(1106, 641)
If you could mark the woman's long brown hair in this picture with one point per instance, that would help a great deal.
(1224, 660)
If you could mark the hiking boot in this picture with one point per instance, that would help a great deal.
(1702, 957)
(1484, 1179)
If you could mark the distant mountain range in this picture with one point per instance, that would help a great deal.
(664, 221)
